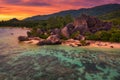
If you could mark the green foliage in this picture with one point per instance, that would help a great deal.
(68, 19)
(55, 22)
(28, 24)
(115, 21)
(58, 21)
(87, 33)
(45, 25)
(92, 37)
(103, 35)
(113, 17)
(51, 23)
(63, 37)
(34, 33)
(115, 37)
(112, 35)
(83, 42)
(44, 36)
(75, 34)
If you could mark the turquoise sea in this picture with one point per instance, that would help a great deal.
(19, 61)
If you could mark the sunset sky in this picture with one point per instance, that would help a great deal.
(26, 8)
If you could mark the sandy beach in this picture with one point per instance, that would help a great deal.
(102, 44)
(98, 44)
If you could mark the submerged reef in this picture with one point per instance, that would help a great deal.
(47, 63)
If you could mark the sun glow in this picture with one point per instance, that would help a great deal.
(7, 17)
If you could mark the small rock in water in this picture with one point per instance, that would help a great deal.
(12, 33)
(111, 46)
(23, 38)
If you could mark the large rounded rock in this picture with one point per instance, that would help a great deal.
(80, 37)
(54, 39)
(39, 31)
(67, 30)
(55, 31)
(51, 40)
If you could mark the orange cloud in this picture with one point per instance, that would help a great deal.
(25, 8)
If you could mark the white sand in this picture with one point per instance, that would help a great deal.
(32, 41)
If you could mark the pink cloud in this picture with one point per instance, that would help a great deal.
(41, 7)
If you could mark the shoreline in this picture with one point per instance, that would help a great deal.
(102, 44)
(97, 44)
(9, 27)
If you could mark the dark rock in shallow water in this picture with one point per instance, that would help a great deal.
(48, 42)
(12, 33)
(45, 42)
(23, 38)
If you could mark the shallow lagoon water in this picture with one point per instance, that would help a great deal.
(19, 61)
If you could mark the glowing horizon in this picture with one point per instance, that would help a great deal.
(21, 9)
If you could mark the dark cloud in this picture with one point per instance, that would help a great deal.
(87, 3)
(74, 3)
(90, 3)
(29, 3)
(12, 1)
(36, 4)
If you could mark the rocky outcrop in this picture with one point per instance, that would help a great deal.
(93, 24)
(75, 30)
(81, 25)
